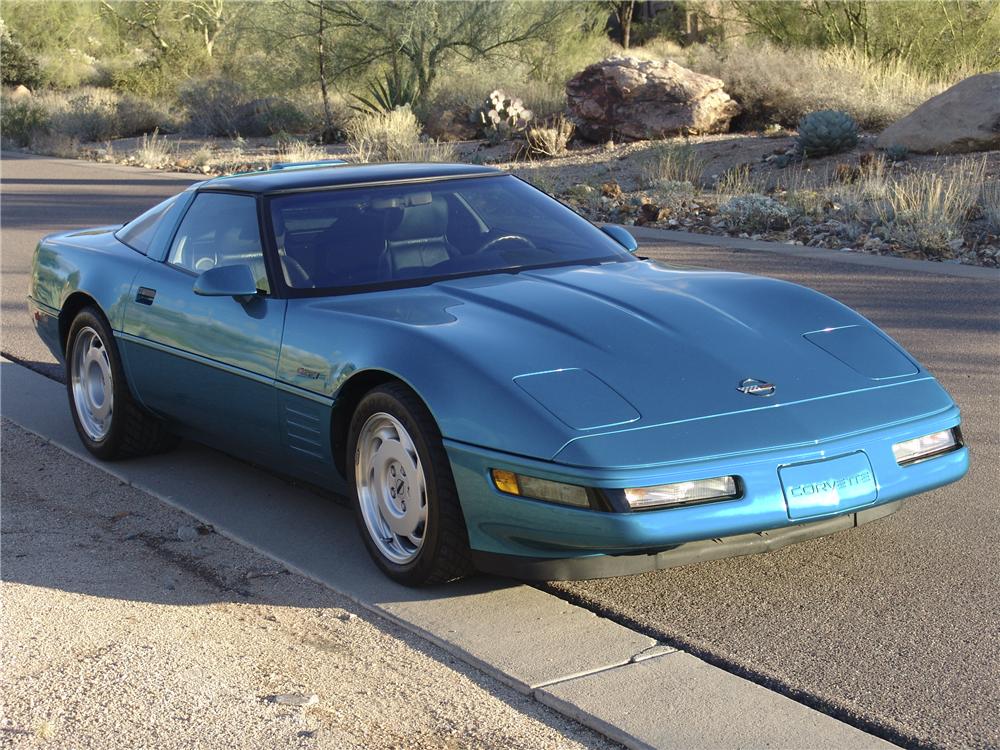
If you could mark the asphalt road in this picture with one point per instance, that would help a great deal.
(894, 626)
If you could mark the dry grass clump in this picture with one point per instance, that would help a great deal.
(551, 138)
(296, 150)
(154, 152)
(776, 85)
(671, 162)
(740, 180)
(926, 210)
(393, 136)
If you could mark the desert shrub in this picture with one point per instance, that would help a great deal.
(753, 213)
(393, 136)
(925, 210)
(66, 69)
(672, 194)
(17, 66)
(991, 205)
(550, 138)
(56, 144)
(87, 116)
(462, 88)
(221, 107)
(671, 161)
(776, 85)
(22, 120)
(212, 105)
(138, 116)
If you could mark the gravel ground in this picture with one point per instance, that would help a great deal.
(127, 626)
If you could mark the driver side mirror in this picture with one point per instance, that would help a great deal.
(227, 281)
(621, 236)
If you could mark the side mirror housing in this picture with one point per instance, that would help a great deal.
(227, 281)
(621, 236)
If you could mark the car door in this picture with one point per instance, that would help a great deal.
(208, 363)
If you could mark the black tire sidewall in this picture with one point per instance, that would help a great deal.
(439, 482)
(109, 447)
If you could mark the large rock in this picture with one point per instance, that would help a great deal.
(630, 99)
(964, 118)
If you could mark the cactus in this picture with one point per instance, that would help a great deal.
(827, 132)
(503, 117)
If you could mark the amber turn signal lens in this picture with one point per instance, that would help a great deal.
(506, 481)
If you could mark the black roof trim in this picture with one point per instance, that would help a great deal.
(320, 178)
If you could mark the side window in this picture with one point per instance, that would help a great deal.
(220, 230)
(139, 232)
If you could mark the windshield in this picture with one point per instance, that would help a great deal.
(398, 234)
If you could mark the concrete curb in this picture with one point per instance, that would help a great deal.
(800, 251)
(610, 678)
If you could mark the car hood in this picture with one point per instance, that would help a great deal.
(628, 345)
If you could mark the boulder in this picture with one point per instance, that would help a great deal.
(626, 98)
(964, 118)
(21, 92)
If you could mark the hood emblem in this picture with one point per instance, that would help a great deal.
(755, 387)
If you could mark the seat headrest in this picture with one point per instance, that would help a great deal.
(418, 222)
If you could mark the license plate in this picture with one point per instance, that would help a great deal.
(829, 486)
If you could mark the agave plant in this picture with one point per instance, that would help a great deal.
(395, 89)
(827, 132)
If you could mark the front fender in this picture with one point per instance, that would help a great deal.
(469, 403)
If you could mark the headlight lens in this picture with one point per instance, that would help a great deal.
(917, 449)
(540, 489)
(682, 493)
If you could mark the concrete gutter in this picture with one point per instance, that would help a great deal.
(801, 251)
(610, 678)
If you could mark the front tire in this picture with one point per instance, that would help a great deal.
(404, 495)
(110, 423)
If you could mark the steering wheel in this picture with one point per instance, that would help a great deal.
(491, 245)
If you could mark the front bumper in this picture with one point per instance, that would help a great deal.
(523, 537)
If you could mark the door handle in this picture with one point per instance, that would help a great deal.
(145, 295)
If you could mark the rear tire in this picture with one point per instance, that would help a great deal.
(403, 491)
(110, 423)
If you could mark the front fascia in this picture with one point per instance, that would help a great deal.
(507, 525)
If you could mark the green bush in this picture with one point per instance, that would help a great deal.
(17, 66)
(22, 120)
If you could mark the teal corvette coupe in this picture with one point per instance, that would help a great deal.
(493, 381)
